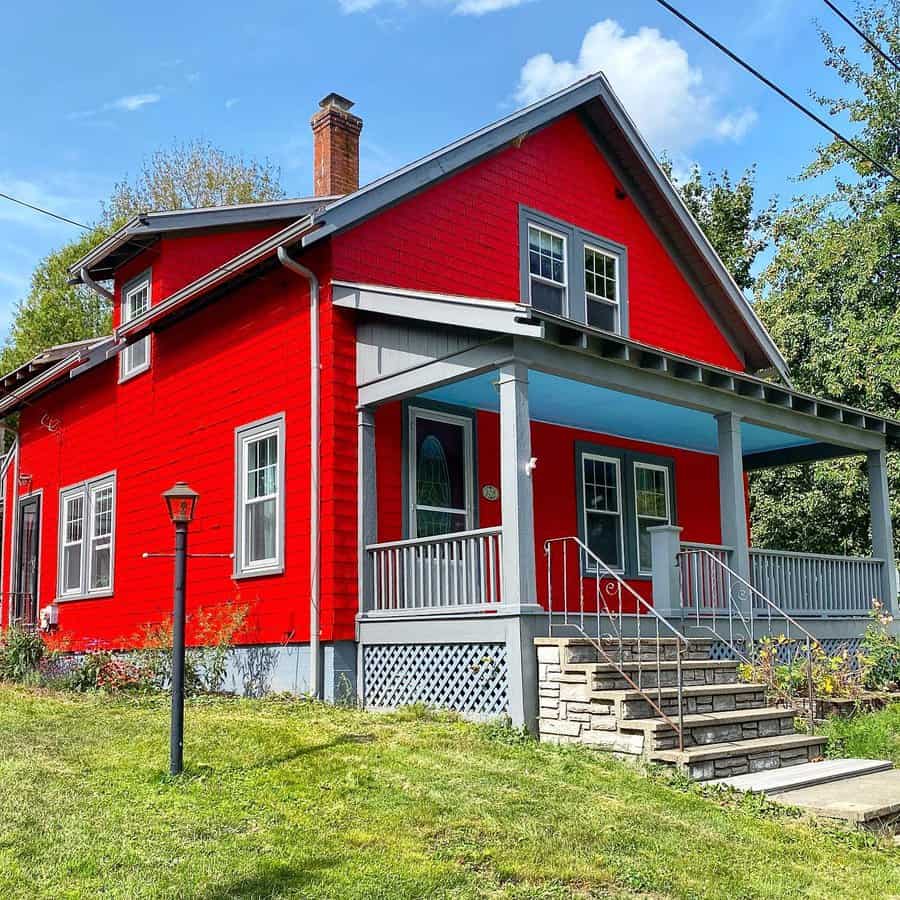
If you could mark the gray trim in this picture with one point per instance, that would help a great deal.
(367, 505)
(882, 527)
(788, 456)
(576, 239)
(460, 412)
(627, 459)
(241, 434)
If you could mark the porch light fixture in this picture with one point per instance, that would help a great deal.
(180, 503)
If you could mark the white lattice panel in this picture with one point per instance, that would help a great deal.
(468, 678)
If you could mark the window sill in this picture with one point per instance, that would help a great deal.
(257, 573)
(133, 374)
(73, 598)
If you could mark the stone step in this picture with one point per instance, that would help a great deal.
(704, 763)
(632, 704)
(809, 775)
(584, 650)
(611, 677)
(715, 728)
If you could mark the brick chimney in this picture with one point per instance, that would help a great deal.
(335, 147)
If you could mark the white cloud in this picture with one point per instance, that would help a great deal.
(132, 102)
(460, 7)
(651, 74)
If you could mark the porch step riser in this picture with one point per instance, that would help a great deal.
(586, 653)
(755, 762)
(649, 678)
(703, 703)
(701, 736)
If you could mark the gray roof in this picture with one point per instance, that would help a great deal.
(616, 136)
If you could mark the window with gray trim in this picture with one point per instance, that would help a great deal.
(86, 537)
(621, 494)
(259, 500)
(572, 273)
(135, 358)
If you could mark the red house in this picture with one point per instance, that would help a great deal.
(510, 375)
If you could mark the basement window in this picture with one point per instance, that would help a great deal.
(86, 538)
(135, 358)
(259, 502)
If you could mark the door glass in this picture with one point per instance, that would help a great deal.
(25, 607)
(441, 476)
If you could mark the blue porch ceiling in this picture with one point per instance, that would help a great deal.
(573, 403)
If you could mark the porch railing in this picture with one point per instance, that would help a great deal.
(805, 584)
(460, 571)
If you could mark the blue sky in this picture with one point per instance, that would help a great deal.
(90, 89)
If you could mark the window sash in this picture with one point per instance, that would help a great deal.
(101, 536)
(260, 495)
(646, 520)
(590, 565)
(87, 528)
(72, 544)
(136, 301)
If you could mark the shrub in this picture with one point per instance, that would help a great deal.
(21, 651)
(882, 651)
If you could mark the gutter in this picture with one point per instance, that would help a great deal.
(314, 463)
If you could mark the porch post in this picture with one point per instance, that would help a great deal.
(665, 545)
(732, 499)
(516, 502)
(882, 533)
(367, 509)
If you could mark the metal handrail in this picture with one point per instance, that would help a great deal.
(772, 610)
(601, 574)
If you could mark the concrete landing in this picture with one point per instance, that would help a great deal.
(867, 801)
(802, 776)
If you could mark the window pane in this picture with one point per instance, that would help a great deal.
(602, 315)
(74, 519)
(137, 301)
(72, 567)
(546, 255)
(103, 512)
(547, 298)
(603, 538)
(260, 519)
(601, 488)
(262, 467)
(136, 355)
(430, 523)
(650, 491)
(440, 464)
(100, 565)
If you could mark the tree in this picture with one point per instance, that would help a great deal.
(726, 212)
(831, 300)
(185, 176)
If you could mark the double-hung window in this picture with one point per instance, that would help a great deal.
(86, 538)
(570, 272)
(259, 525)
(547, 264)
(135, 358)
(621, 496)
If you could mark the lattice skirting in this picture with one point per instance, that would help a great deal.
(468, 678)
(830, 645)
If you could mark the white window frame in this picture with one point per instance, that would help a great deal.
(87, 491)
(244, 436)
(95, 488)
(419, 412)
(66, 499)
(590, 565)
(564, 284)
(637, 516)
(596, 298)
(139, 283)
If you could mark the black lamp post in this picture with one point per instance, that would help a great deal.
(180, 501)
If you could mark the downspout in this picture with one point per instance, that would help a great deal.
(14, 537)
(314, 463)
(98, 289)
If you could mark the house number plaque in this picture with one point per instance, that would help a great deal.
(490, 492)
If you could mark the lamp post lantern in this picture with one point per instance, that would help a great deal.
(180, 502)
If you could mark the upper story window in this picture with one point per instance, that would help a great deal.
(569, 272)
(259, 520)
(86, 535)
(547, 270)
(135, 300)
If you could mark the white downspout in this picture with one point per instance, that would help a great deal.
(314, 462)
(85, 276)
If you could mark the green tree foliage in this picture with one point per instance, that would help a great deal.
(725, 210)
(831, 300)
(184, 176)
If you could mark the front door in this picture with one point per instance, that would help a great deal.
(24, 601)
(440, 473)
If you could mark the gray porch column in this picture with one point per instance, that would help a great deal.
(516, 503)
(367, 503)
(665, 545)
(732, 499)
(882, 532)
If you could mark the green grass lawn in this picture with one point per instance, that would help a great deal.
(874, 735)
(296, 799)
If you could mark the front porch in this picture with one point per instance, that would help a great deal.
(634, 457)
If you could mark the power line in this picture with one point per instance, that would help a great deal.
(881, 167)
(885, 56)
(46, 212)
